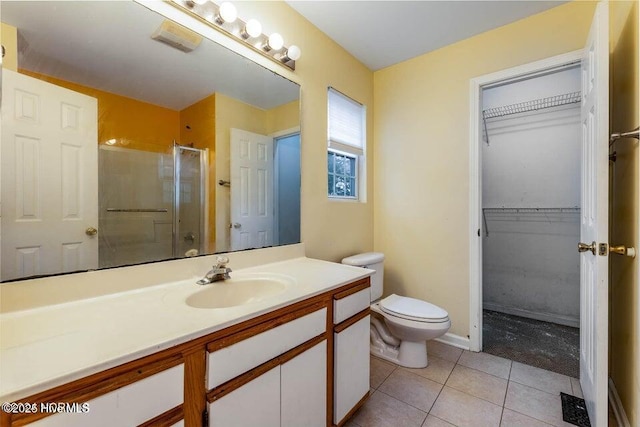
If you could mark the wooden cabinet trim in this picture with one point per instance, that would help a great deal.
(96, 385)
(166, 419)
(353, 410)
(269, 324)
(353, 288)
(350, 321)
(239, 381)
(192, 353)
(195, 392)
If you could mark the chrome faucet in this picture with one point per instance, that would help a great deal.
(219, 272)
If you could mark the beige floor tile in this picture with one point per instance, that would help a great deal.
(432, 421)
(544, 380)
(437, 370)
(514, 419)
(410, 388)
(464, 410)
(577, 389)
(443, 351)
(485, 362)
(350, 423)
(379, 371)
(382, 410)
(478, 384)
(535, 403)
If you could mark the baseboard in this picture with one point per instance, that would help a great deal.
(454, 340)
(545, 317)
(616, 405)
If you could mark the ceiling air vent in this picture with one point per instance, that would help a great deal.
(177, 36)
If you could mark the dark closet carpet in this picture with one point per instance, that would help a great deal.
(533, 342)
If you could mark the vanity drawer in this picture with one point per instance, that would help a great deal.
(130, 405)
(347, 304)
(238, 358)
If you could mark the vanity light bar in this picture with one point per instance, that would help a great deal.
(224, 17)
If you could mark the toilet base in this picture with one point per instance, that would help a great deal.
(409, 354)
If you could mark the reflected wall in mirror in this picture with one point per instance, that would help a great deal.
(127, 138)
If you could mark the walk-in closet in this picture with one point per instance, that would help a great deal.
(530, 213)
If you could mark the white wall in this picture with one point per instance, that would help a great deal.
(530, 264)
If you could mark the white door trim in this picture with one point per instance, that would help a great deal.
(475, 176)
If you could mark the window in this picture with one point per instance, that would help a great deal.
(346, 147)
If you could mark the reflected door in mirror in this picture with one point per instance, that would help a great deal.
(49, 186)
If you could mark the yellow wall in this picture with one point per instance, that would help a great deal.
(198, 127)
(9, 39)
(134, 124)
(421, 151)
(284, 117)
(624, 325)
(330, 230)
(230, 113)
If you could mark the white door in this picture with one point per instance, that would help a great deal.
(594, 284)
(49, 178)
(251, 190)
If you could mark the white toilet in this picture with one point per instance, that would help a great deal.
(408, 322)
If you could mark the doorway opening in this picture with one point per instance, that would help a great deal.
(525, 277)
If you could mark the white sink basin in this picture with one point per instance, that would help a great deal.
(239, 291)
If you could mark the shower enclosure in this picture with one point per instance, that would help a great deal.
(152, 205)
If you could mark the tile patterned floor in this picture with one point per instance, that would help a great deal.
(461, 388)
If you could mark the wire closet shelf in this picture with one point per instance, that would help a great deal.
(527, 106)
(516, 211)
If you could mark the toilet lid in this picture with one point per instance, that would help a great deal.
(413, 309)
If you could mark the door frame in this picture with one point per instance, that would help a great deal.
(276, 189)
(476, 85)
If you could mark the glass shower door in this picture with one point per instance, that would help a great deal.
(189, 217)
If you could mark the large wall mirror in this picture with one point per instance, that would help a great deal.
(127, 138)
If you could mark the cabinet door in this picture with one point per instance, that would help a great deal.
(304, 388)
(257, 403)
(351, 367)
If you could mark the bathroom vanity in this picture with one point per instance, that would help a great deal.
(296, 357)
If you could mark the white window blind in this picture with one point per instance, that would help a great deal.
(346, 123)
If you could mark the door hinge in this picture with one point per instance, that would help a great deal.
(205, 418)
(603, 249)
(478, 232)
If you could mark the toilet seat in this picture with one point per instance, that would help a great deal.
(413, 309)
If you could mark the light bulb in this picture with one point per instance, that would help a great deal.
(200, 2)
(293, 52)
(253, 28)
(227, 12)
(275, 41)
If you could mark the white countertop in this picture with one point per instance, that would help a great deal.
(44, 347)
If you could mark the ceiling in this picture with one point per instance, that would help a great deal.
(383, 33)
(107, 45)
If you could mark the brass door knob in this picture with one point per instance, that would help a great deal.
(583, 247)
(91, 231)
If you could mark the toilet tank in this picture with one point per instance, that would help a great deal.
(374, 261)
